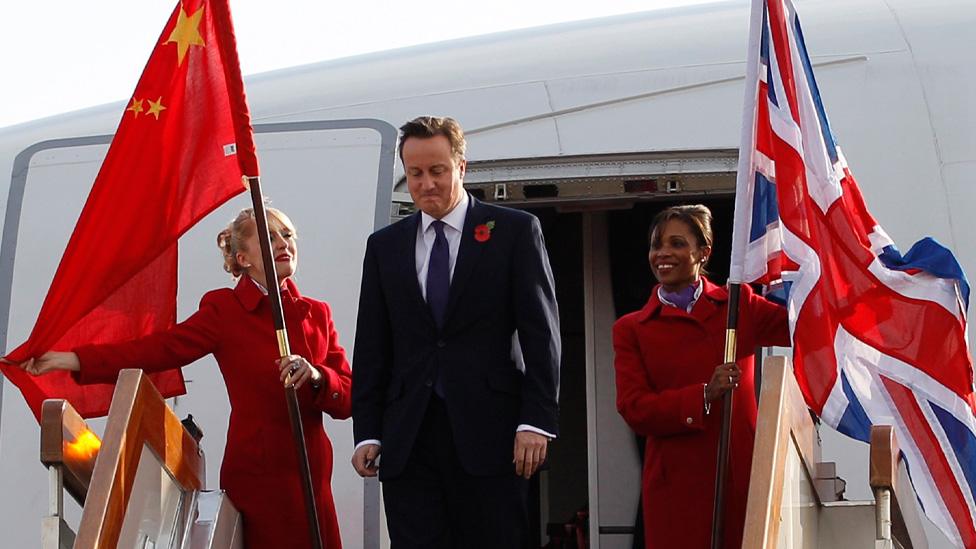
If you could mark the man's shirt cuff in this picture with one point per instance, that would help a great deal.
(367, 441)
(532, 429)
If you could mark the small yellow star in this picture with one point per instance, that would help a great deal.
(135, 107)
(155, 107)
(186, 33)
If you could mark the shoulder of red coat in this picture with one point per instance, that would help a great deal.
(219, 295)
(714, 291)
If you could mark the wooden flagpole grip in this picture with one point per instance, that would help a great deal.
(291, 395)
(722, 465)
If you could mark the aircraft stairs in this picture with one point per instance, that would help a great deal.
(140, 486)
(795, 500)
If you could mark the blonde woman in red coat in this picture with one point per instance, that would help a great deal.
(260, 467)
(670, 381)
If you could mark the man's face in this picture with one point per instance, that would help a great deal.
(434, 176)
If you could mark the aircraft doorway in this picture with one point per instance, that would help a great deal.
(599, 261)
(560, 492)
(595, 211)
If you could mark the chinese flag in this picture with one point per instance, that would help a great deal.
(180, 151)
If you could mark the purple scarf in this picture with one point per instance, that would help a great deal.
(680, 299)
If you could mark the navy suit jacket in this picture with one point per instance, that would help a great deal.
(500, 285)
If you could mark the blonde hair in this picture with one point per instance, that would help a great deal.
(233, 239)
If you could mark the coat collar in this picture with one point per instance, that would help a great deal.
(250, 295)
(711, 300)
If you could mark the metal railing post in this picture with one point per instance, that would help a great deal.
(55, 533)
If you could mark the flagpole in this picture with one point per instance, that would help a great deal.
(740, 239)
(722, 465)
(294, 415)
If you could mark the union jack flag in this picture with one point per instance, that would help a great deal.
(878, 337)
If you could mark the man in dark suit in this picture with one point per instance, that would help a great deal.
(436, 383)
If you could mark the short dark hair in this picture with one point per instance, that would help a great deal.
(698, 218)
(425, 127)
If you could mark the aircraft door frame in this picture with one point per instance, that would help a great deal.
(384, 194)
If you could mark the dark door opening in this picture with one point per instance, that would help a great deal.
(565, 491)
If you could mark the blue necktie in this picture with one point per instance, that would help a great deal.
(439, 274)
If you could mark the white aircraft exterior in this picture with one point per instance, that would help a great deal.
(579, 122)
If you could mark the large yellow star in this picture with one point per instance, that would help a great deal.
(155, 107)
(186, 33)
(135, 107)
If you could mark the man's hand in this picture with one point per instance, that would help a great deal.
(364, 460)
(530, 452)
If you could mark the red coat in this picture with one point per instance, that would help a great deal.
(260, 467)
(664, 358)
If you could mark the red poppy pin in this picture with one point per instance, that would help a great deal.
(482, 233)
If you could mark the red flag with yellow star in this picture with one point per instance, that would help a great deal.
(180, 151)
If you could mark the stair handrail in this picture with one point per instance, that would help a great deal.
(138, 417)
(783, 419)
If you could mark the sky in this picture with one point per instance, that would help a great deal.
(63, 55)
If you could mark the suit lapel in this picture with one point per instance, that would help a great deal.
(469, 251)
(408, 266)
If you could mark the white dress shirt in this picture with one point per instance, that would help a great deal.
(453, 227)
